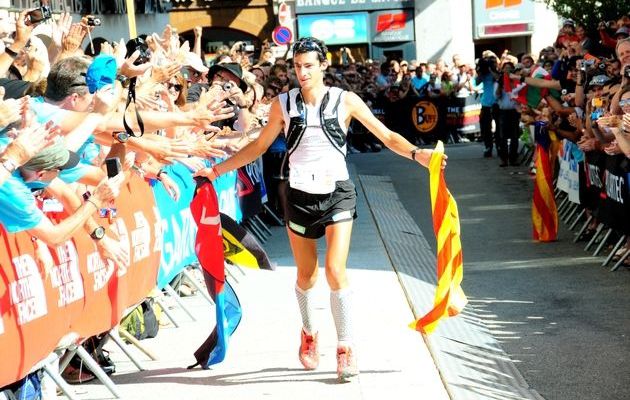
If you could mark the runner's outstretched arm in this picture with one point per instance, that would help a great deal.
(254, 149)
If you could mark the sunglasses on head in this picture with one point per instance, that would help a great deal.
(306, 46)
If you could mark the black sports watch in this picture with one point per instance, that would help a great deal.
(98, 233)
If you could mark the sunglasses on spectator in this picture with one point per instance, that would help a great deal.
(624, 102)
(175, 86)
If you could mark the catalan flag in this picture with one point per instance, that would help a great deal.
(544, 211)
(209, 248)
(449, 296)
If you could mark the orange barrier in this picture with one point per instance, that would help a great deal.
(80, 293)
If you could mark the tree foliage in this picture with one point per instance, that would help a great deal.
(590, 12)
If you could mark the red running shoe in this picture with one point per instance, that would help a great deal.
(346, 364)
(309, 353)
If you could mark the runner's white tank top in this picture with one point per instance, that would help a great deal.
(316, 165)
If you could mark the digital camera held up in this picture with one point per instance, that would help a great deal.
(38, 15)
(93, 21)
(140, 45)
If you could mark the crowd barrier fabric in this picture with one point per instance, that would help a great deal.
(568, 175)
(591, 189)
(250, 189)
(177, 224)
(79, 293)
(225, 185)
(614, 209)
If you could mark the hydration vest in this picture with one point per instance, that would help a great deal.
(328, 115)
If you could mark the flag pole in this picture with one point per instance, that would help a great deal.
(131, 18)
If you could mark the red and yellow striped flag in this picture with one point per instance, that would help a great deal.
(544, 211)
(449, 296)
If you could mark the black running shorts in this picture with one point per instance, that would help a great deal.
(309, 214)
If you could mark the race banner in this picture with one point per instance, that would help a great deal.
(177, 224)
(77, 292)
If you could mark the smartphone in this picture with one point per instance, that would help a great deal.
(113, 166)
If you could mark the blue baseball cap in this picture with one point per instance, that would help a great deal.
(101, 72)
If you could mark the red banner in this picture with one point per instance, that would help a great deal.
(79, 293)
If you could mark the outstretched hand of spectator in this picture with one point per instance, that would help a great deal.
(165, 150)
(110, 249)
(10, 109)
(73, 40)
(171, 187)
(60, 29)
(22, 31)
(207, 147)
(31, 140)
(165, 72)
(612, 148)
(107, 190)
(210, 109)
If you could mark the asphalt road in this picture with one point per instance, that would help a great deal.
(556, 311)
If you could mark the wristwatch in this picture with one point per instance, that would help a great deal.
(98, 233)
(124, 81)
(8, 164)
(122, 137)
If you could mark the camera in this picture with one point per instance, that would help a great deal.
(93, 21)
(38, 15)
(486, 65)
(626, 71)
(245, 48)
(227, 86)
(587, 64)
(140, 45)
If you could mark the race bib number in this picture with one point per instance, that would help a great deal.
(318, 181)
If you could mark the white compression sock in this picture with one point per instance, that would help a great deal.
(306, 301)
(341, 307)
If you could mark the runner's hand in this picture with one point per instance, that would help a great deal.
(205, 173)
(423, 157)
